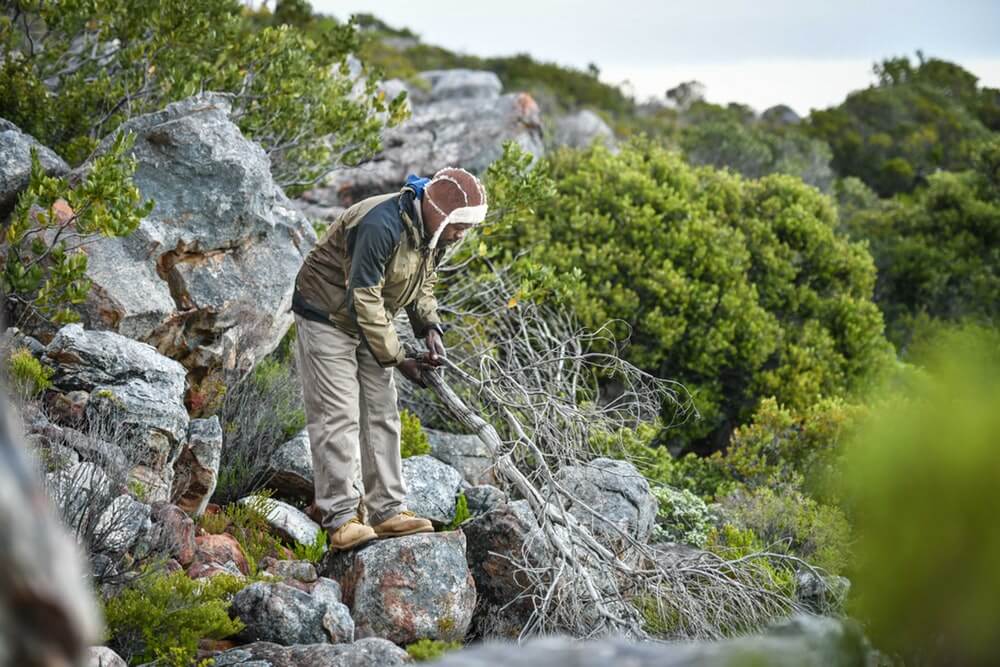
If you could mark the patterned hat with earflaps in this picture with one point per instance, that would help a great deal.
(461, 194)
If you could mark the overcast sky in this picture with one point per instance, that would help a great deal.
(805, 53)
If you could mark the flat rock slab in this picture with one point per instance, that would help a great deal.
(369, 652)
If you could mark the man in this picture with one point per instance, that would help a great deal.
(378, 257)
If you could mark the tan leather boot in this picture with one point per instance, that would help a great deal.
(352, 534)
(404, 523)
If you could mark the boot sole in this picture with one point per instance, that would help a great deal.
(401, 533)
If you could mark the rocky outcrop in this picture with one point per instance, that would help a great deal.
(462, 120)
(102, 656)
(292, 469)
(134, 390)
(407, 588)
(369, 652)
(210, 271)
(497, 540)
(805, 641)
(215, 554)
(431, 488)
(618, 493)
(285, 615)
(481, 498)
(15, 164)
(122, 523)
(173, 533)
(196, 471)
(466, 453)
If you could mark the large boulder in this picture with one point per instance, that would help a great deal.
(407, 588)
(463, 121)
(279, 613)
(466, 453)
(134, 390)
(15, 164)
(431, 488)
(196, 471)
(500, 539)
(291, 468)
(804, 641)
(209, 273)
(173, 533)
(218, 554)
(618, 493)
(368, 652)
(580, 129)
(122, 523)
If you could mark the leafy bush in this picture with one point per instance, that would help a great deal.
(26, 376)
(425, 649)
(915, 121)
(739, 289)
(413, 440)
(162, 616)
(249, 525)
(920, 484)
(44, 265)
(786, 521)
(937, 251)
(733, 543)
(72, 73)
(681, 517)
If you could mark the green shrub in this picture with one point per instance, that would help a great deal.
(733, 543)
(312, 552)
(681, 517)
(214, 523)
(27, 376)
(920, 485)
(461, 512)
(738, 289)
(413, 440)
(788, 522)
(44, 274)
(162, 616)
(425, 649)
(249, 525)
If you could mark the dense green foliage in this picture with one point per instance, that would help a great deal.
(895, 134)
(70, 73)
(938, 252)
(162, 616)
(44, 264)
(413, 440)
(426, 650)
(24, 375)
(921, 482)
(739, 289)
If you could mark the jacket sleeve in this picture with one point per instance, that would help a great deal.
(423, 312)
(372, 248)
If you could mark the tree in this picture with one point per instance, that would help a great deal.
(938, 251)
(915, 121)
(738, 289)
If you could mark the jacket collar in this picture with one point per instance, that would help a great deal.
(412, 216)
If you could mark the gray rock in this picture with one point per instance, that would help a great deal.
(580, 129)
(77, 491)
(121, 524)
(431, 488)
(802, 642)
(212, 267)
(618, 493)
(483, 497)
(134, 390)
(298, 570)
(821, 594)
(453, 84)
(289, 523)
(196, 471)
(507, 532)
(781, 114)
(455, 131)
(15, 164)
(102, 656)
(292, 468)
(466, 453)
(279, 613)
(368, 652)
(407, 588)
(173, 533)
(107, 455)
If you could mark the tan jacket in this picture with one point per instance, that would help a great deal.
(371, 262)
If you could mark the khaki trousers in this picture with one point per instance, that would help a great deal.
(353, 425)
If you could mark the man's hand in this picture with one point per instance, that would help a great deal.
(414, 369)
(435, 348)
